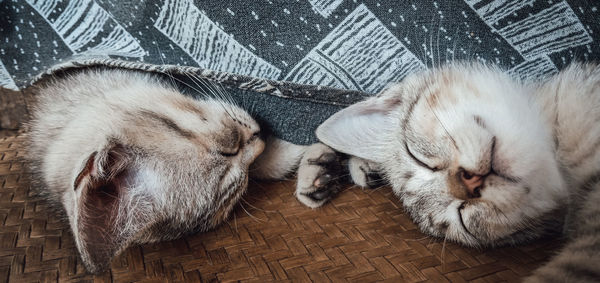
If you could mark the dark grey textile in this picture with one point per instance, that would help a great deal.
(256, 47)
(288, 110)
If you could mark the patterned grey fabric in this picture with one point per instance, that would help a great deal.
(256, 48)
(290, 111)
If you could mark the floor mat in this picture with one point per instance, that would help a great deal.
(360, 236)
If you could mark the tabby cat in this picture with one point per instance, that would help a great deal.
(132, 160)
(483, 159)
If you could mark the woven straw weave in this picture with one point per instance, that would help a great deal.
(360, 236)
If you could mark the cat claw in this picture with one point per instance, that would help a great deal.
(317, 175)
(365, 173)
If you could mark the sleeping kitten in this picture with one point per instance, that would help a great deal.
(131, 160)
(484, 160)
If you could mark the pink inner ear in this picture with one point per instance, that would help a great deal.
(87, 170)
(99, 232)
(100, 227)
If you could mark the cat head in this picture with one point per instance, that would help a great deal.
(466, 149)
(157, 166)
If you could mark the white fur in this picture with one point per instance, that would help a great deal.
(525, 120)
(176, 178)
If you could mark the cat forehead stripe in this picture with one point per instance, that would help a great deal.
(169, 123)
(190, 107)
(479, 121)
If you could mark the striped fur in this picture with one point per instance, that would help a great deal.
(131, 160)
(533, 149)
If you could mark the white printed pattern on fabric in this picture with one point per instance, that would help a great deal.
(548, 31)
(359, 54)
(5, 80)
(210, 46)
(80, 26)
(535, 69)
(325, 7)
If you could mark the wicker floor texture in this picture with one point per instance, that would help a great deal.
(360, 236)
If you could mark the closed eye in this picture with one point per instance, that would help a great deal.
(254, 137)
(234, 151)
(421, 163)
(230, 152)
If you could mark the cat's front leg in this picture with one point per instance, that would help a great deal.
(317, 167)
(365, 173)
(278, 161)
(322, 170)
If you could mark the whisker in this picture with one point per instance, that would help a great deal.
(338, 177)
(431, 47)
(439, 120)
(438, 42)
(168, 73)
(423, 53)
(431, 240)
(469, 50)
(200, 92)
(454, 45)
(418, 239)
(203, 91)
(377, 189)
(263, 210)
(219, 91)
(252, 216)
(160, 55)
(253, 108)
(442, 257)
(221, 99)
(216, 88)
(235, 221)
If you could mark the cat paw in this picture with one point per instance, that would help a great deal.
(365, 173)
(318, 175)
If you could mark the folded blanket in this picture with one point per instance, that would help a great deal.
(271, 55)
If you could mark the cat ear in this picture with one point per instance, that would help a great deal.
(101, 225)
(359, 129)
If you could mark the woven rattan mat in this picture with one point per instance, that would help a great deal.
(360, 236)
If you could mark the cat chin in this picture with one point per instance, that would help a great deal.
(514, 215)
(549, 223)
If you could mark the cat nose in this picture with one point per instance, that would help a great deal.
(472, 182)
